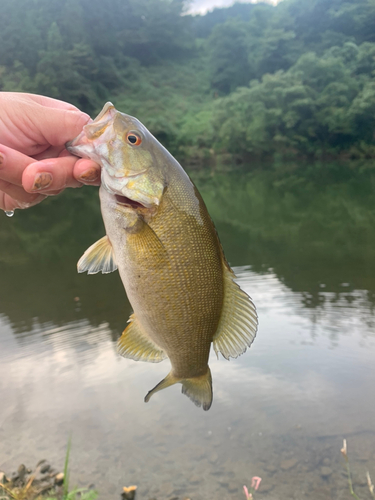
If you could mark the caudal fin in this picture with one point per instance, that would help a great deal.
(198, 389)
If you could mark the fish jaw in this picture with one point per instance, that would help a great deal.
(81, 146)
(136, 188)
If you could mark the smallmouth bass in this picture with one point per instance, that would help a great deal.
(162, 240)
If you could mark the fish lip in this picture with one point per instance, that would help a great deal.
(69, 147)
(76, 145)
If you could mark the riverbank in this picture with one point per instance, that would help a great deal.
(41, 482)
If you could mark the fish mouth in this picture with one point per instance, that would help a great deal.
(127, 202)
(80, 146)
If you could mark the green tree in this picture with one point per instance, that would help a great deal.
(228, 56)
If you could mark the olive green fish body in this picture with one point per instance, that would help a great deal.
(162, 240)
(173, 276)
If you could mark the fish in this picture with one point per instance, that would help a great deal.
(160, 237)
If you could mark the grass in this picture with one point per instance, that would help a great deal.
(344, 451)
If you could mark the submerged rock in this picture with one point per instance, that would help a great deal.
(288, 464)
(325, 472)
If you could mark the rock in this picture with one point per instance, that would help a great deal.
(325, 472)
(59, 478)
(265, 487)
(43, 466)
(40, 477)
(3, 478)
(21, 470)
(194, 479)
(166, 489)
(223, 482)
(14, 477)
(326, 462)
(271, 468)
(217, 472)
(232, 487)
(288, 464)
(213, 458)
(360, 481)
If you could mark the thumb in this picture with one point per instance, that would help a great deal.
(58, 126)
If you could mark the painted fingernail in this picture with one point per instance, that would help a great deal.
(91, 175)
(42, 181)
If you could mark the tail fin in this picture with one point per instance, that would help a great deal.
(198, 389)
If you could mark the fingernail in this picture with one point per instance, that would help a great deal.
(42, 181)
(1, 160)
(91, 175)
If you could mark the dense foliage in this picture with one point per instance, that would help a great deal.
(251, 79)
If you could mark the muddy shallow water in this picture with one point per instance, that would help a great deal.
(280, 411)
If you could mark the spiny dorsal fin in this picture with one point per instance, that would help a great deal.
(98, 257)
(135, 344)
(198, 389)
(238, 322)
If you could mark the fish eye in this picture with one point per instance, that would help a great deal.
(133, 138)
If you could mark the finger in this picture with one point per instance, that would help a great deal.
(41, 127)
(12, 165)
(87, 172)
(52, 152)
(58, 126)
(52, 103)
(7, 203)
(51, 175)
(43, 100)
(19, 195)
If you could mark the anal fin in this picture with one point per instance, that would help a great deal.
(135, 344)
(238, 322)
(98, 257)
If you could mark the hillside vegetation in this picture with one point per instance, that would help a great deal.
(251, 80)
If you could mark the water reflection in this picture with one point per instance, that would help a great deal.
(280, 411)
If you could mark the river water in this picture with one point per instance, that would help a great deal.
(302, 243)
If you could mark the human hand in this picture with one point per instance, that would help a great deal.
(33, 160)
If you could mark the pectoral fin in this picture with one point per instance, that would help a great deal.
(98, 257)
(135, 344)
(198, 389)
(147, 245)
(238, 322)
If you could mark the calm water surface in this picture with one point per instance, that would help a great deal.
(303, 246)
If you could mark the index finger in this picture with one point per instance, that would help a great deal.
(47, 101)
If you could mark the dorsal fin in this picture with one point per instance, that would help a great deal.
(135, 344)
(98, 257)
(238, 322)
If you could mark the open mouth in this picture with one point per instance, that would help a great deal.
(127, 202)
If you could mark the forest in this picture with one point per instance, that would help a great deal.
(294, 80)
